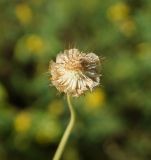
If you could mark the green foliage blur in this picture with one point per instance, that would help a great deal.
(114, 121)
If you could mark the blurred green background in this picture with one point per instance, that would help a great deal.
(114, 121)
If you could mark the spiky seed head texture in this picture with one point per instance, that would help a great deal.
(75, 72)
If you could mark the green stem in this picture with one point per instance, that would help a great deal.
(67, 132)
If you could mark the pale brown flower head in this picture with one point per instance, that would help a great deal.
(75, 72)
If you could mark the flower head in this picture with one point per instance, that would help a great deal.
(75, 72)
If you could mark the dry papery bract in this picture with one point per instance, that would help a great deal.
(75, 72)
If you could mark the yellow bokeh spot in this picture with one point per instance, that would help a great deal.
(95, 99)
(56, 107)
(43, 137)
(128, 27)
(47, 132)
(22, 122)
(24, 13)
(34, 44)
(118, 12)
(144, 47)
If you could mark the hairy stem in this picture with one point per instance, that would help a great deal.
(67, 132)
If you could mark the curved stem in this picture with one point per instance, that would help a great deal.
(67, 132)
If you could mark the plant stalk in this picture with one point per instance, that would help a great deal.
(67, 132)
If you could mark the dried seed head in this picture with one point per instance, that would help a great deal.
(75, 72)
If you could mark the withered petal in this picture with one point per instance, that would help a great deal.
(75, 72)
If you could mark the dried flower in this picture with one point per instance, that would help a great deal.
(75, 72)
